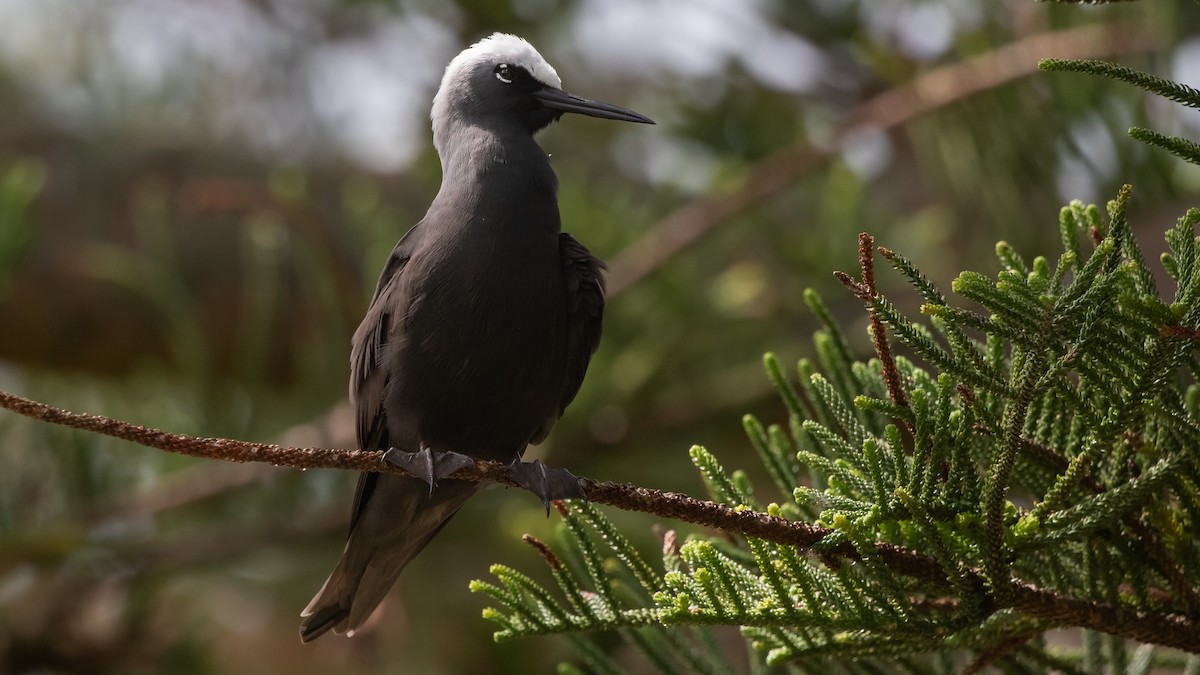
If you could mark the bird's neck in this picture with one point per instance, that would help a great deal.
(498, 169)
(471, 148)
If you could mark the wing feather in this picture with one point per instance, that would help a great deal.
(584, 274)
(368, 380)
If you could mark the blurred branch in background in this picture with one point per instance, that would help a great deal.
(928, 92)
(207, 480)
(690, 223)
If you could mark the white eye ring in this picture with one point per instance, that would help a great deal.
(501, 71)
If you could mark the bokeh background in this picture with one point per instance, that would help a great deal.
(196, 198)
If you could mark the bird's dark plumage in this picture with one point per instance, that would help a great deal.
(482, 324)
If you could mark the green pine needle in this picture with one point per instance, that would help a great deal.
(1180, 93)
(1047, 438)
(1180, 147)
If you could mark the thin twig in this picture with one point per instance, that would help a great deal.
(543, 550)
(1045, 454)
(1171, 630)
(1179, 332)
(210, 480)
(866, 291)
(891, 374)
(624, 496)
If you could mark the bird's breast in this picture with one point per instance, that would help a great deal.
(492, 301)
(494, 259)
(483, 353)
(488, 315)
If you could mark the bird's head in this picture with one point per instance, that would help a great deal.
(502, 79)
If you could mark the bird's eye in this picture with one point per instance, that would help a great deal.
(504, 73)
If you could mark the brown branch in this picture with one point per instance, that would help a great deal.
(937, 88)
(891, 374)
(624, 496)
(1172, 630)
(866, 291)
(543, 550)
(210, 480)
(998, 651)
(1179, 332)
(181, 488)
(1043, 453)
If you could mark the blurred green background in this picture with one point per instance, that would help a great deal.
(196, 198)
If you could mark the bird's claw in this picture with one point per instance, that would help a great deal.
(428, 465)
(548, 483)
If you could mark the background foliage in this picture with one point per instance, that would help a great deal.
(196, 200)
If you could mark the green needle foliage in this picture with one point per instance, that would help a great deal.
(1039, 470)
(1033, 464)
(1180, 93)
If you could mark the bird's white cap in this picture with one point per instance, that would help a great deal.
(494, 49)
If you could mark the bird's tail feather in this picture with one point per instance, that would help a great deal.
(400, 518)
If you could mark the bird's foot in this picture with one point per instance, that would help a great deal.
(428, 465)
(547, 482)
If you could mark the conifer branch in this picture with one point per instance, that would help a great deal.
(866, 291)
(624, 496)
(1150, 542)
(1180, 93)
(1169, 629)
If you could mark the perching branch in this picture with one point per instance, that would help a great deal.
(624, 496)
(1172, 630)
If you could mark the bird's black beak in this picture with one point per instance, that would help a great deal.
(557, 99)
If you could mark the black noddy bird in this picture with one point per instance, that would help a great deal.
(481, 327)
